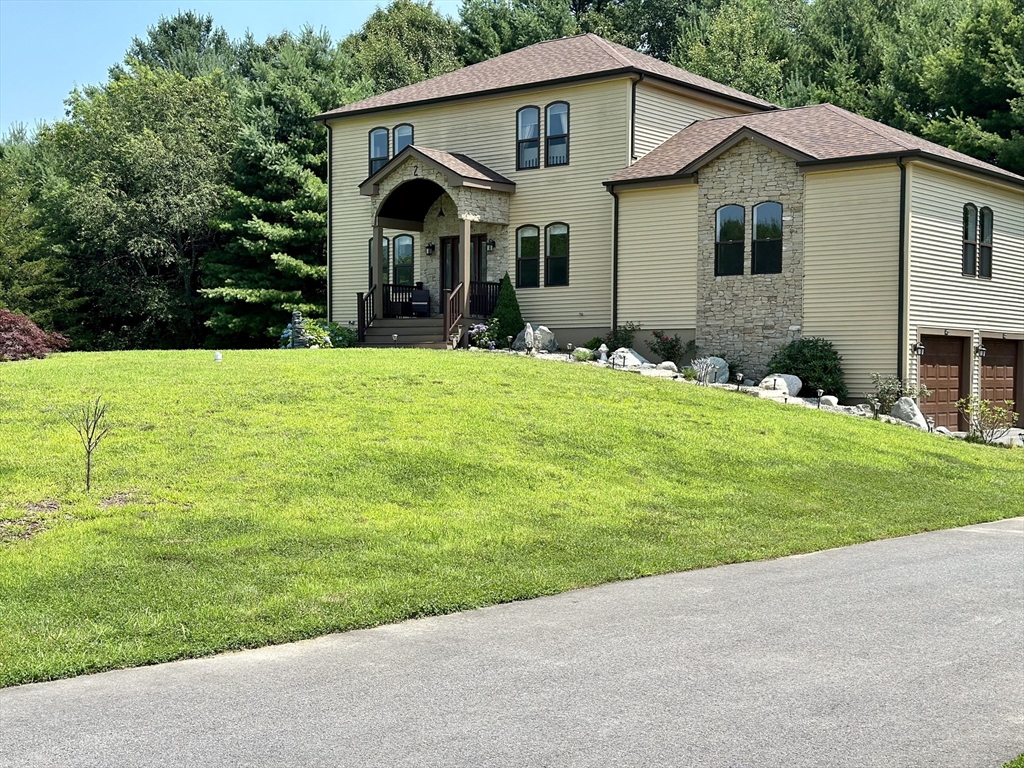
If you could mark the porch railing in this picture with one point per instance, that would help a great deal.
(397, 300)
(453, 312)
(365, 304)
(483, 297)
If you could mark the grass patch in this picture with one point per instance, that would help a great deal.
(1016, 763)
(282, 495)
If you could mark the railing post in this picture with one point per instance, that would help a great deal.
(361, 322)
(447, 317)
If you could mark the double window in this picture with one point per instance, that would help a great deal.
(556, 136)
(977, 243)
(766, 243)
(556, 255)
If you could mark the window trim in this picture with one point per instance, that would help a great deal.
(969, 241)
(754, 239)
(742, 242)
(548, 257)
(548, 134)
(394, 259)
(519, 259)
(412, 135)
(522, 141)
(387, 155)
(982, 243)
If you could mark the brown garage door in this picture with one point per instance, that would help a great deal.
(999, 371)
(942, 371)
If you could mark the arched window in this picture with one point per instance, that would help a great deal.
(729, 235)
(970, 253)
(985, 244)
(766, 250)
(527, 257)
(556, 133)
(403, 137)
(378, 149)
(384, 258)
(527, 138)
(403, 260)
(556, 254)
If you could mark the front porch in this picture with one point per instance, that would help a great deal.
(460, 208)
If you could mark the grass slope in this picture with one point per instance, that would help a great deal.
(283, 495)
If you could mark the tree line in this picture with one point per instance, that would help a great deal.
(183, 202)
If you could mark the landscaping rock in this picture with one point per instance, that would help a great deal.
(629, 358)
(942, 431)
(535, 337)
(782, 381)
(906, 410)
(829, 400)
(657, 373)
(721, 375)
(749, 383)
(648, 365)
(668, 365)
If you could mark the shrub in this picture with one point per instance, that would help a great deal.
(507, 319)
(817, 364)
(341, 335)
(21, 339)
(484, 335)
(674, 348)
(622, 336)
(689, 374)
(594, 343)
(986, 422)
(889, 389)
(322, 333)
(583, 354)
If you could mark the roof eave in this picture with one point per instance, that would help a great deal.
(993, 173)
(652, 181)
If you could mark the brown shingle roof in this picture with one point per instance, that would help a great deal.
(820, 132)
(463, 165)
(550, 61)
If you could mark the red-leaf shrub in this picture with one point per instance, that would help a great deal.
(21, 339)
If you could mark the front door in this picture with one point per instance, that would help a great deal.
(449, 263)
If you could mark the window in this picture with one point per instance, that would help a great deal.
(766, 250)
(403, 137)
(970, 255)
(384, 258)
(556, 134)
(556, 255)
(729, 240)
(985, 244)
(378, 149)
(403, 260)
(527, 138)
(527, 257)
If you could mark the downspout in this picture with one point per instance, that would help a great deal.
(632, 119)
(615, 259)
(903, 341)
(330, 219)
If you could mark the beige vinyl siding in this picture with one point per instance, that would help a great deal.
(486, 131)
(941, 296)
(658, 257)
(851, 268)
(662, 113)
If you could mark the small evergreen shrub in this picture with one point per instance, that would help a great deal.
(622, 336)
(583, 354)
(817, 364)
(594, 343)
(21, 339)
(507, 320)
(674, 348)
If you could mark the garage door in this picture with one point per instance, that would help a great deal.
(999, 371)
(942, 371)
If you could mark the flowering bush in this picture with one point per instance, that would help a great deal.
(21, 339)
(674, 348)
(484, 335)
(321, 333)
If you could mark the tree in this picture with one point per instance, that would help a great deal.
(507, 317)
(493, 27)
(129, 211)
(273, 257)
(403, 44)
(186, 43)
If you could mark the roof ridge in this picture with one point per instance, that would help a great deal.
(868, 123)
(606, 46)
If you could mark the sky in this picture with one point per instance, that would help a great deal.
(47, 47)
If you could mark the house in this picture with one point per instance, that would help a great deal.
(729, 221)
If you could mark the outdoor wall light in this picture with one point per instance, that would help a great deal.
(490, 245)
(430, 249)
(918, 349)
(980, 350)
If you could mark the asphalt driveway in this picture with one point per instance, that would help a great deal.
(906, 652)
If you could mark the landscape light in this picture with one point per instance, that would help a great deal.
(739, 380)
(569, 355)
(820, 393)
(217, 357)
(931, 424)
(394, 337)
(510, 344)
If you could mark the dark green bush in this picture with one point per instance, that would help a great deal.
(506, 313)
(622, 336)
(594, 343)
(817, 364)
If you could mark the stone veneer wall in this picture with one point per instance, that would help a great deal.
(745, 318)
(486, 210)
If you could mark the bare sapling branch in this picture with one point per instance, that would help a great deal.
(89, 421)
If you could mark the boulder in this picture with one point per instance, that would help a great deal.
(628, 358)
(829, 400)
(942, 431)
(538, 338)
(668, 365)
(782, 382)
(721, 375)
(906, 410)
(749, 383)
(657, 373)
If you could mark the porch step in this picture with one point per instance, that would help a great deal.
(409, 345)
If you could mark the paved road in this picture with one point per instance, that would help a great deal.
(897, 653)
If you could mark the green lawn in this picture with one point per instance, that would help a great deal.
(282, 495)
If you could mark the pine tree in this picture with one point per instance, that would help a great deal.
(506, 312)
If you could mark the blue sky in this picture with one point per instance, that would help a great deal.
(47, 47)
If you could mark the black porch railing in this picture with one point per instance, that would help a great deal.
(365, 304)
(483, 297)
(398, 300)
